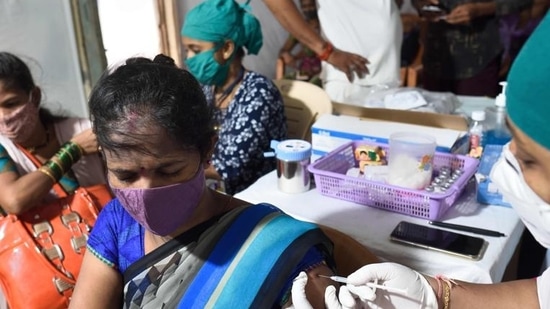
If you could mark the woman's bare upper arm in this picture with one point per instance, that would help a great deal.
(316, 286)
(98, 285)
(20, 193)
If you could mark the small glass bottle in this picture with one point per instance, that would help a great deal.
(476, 133)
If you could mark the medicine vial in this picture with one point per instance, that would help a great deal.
(476, 134)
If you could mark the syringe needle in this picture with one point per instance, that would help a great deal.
(369, 284)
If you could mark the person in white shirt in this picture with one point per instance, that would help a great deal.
(360, 43)
(522, 175)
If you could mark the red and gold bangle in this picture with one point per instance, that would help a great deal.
(327, 50)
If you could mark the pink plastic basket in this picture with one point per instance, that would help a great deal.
(331, 180)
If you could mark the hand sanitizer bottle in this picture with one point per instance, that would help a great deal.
(495, 125)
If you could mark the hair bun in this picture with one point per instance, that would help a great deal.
(163, 59)
(138, 60)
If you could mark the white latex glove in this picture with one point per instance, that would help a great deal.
(299, 300)
(419, 291)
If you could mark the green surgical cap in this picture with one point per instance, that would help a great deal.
(219, 20)
(528, 90)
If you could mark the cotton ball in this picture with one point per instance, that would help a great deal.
(405, 172)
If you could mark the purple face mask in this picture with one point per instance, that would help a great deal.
(162, 210)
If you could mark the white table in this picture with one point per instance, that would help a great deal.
(372, 227)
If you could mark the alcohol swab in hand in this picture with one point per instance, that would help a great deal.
(369, 284)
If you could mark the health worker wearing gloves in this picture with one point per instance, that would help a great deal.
(522, 175)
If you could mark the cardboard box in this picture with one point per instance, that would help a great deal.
(443, 121)
(372, 124)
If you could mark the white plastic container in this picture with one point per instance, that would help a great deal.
(293, 157)
(410, 160)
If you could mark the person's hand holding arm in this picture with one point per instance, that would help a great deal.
(419, 291)
(289, 16)
(300, 300)
(422, 290)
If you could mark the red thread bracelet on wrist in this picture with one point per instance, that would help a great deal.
(327, 50)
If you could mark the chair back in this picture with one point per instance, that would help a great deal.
(304, 103)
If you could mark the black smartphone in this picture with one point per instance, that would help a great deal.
(439, 240)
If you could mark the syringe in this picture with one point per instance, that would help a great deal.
(369, 284)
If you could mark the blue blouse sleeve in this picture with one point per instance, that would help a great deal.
(116, 237)
(102, 239)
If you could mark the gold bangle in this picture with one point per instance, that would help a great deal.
(447, 286)
(44, 170)
(446, 296)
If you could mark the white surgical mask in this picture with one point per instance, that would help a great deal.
(533, 211)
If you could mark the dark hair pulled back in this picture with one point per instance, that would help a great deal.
(14, 73)
(150, 94)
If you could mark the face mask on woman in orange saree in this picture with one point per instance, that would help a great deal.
(19, 124)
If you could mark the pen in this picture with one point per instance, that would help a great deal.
(467, 229)
(369, 284)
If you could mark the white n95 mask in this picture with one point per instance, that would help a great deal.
(533, 211)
